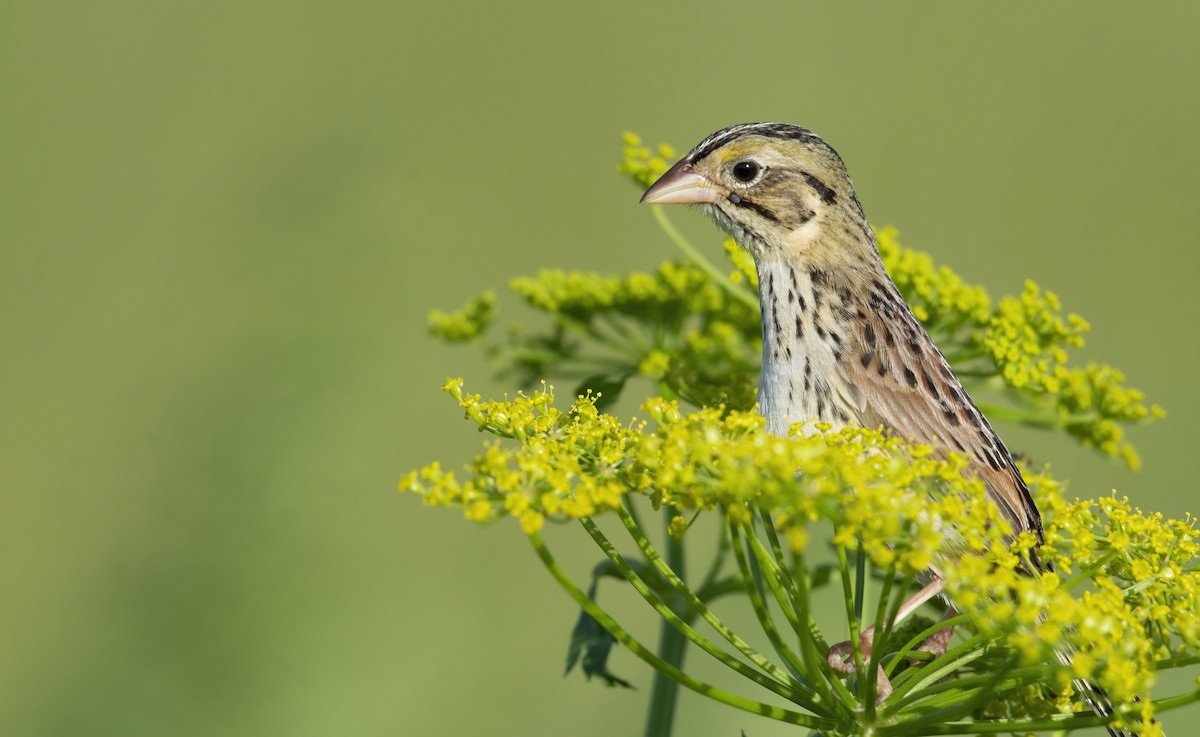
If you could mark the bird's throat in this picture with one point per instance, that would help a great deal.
(805, 317)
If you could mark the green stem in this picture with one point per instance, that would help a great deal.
(757, 602)
(1060, 722)
(814, 647)
(786, 574)
(850, 599)
(672, 578)
(952, 660)
(774, 579)
(883, 622)
(672, 646)
(921, 637)
(1034, 418)
(665, 692)
(674, 673)
(690, 251)
(1012, 678)
(753, 585)
(1018, 416)
(966, 355)
(718, 561)
(662, 702)
(1176, 662)
(788, 578)
(974, 701)
(1086, 573)
(771, 574)
(590, 330)
(860, 583)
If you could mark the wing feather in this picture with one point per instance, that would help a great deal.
(905, 385)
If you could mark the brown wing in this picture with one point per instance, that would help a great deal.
(906, 385)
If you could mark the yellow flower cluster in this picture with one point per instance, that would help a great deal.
(743, 264)
(1145, 557)
(1092, 402)
(642, 164)
(465, 323)
(581, 294)
(1027, 338)
(562, 465)
(1123, 598)
(1138, 609)
(895, 497)
(704, 344)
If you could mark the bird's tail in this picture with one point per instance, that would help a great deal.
(1095, 697)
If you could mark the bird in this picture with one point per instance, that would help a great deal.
(841, 347)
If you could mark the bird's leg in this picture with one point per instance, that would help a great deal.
(841, 655)
(937, 643)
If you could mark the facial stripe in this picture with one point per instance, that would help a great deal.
(828, 196)
(753, 206)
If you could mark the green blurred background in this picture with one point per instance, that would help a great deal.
(221, 226)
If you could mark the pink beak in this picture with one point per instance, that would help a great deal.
(681, 185)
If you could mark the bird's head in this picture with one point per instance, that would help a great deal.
(778, 189)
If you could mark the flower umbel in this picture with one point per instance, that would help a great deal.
(1125, 594)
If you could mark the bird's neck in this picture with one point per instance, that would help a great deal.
(806, 316)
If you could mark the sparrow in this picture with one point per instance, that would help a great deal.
(840, 345)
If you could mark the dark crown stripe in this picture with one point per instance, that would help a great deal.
(782, 131)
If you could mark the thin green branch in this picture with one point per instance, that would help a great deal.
(675, 674)
(1179, 662)
(753, 586)
(672, 646)
(677, 622)
(949, 662)
(757, 602)
(968, 685)
(1035, 418)
(966, 355)
(1088, 572)
(884, 618)
(717, 589)
(788, 578)
(851, 606)
(690, 251)
(860, 582)
(718, 561)
(813, 647)
(774, 579)
(590, 330)
(919, 639)
(669, 575)
(1060, 722)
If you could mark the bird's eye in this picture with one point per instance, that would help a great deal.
(746, 171)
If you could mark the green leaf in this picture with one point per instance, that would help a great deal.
(590, 647)
(590, 643)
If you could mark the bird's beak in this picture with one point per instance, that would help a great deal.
(681, 185)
